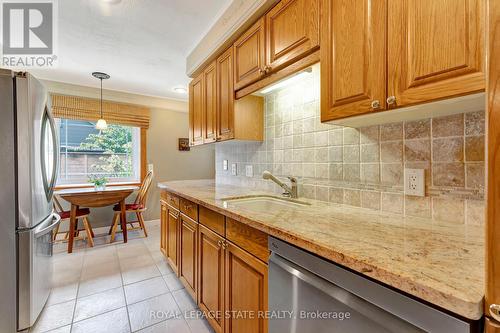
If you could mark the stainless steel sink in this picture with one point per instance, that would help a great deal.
(264, 202)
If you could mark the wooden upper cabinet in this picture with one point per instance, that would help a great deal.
(188, 254)
(210, 103)
(246, 290)
(436, 49)
(249, 55)
(292, 31)
(211, 276)
(196, 111)
(353, 57)
(225, 96)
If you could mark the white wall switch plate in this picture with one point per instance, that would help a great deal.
(224, 165)
(415, 182)
(150, 167)
(233, 169)
(249, 171)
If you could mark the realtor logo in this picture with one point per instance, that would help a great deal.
(28, 33)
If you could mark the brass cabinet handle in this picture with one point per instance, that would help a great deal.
(391, 100)
(375, 104)
(267, 69)
(224, 244)
(261, 71)
(219, 243)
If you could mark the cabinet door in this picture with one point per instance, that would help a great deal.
(211, 276)
(435, 49)
(353, 57)
(225, 96)
(163, 227)
(196, 111)
(210, 103)
(172, 238)
(188, 255)
(292, 32)
(249, 56)
(246, 290)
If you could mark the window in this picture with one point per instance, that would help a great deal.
(113, 153)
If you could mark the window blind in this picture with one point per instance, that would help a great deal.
(82, 108)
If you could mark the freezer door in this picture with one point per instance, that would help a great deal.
(35, 270)
(37, 151)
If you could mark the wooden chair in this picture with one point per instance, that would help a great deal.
(137, 207)
(81, 213)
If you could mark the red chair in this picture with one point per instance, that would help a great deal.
(81, 213)
(138, 207)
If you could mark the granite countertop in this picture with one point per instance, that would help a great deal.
(441, 263)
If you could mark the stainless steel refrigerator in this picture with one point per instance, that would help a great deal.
(29, 157)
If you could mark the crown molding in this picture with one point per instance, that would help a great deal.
(237, 17)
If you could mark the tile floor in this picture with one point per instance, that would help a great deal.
(118, 288)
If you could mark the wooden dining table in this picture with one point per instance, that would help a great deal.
(91, 198)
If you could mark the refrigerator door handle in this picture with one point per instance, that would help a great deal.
(43, 228)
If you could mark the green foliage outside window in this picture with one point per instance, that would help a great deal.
(116, 142)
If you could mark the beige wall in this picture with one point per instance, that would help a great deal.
(166, 126)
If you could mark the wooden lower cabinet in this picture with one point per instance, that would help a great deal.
(172, 236)
(225, 279)
(211, 277)
(245, 290)
(188, 254)
(163, 227)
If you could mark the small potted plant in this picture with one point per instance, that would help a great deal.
(99, 182)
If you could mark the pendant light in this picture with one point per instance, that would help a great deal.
(101, 123)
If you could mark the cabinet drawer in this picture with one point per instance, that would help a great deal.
(170, 199)
(214, 221)
(248, 238)
(189, 208)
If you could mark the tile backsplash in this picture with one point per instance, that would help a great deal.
(364, 167)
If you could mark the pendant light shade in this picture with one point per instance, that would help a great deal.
(101, 123)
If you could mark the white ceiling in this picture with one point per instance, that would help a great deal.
(142, 44)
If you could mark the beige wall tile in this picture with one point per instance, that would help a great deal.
(336, 154)
(308, 191)
(351, 136)
(391, 151)
(390, 132)
(335, 137)
(369, 134)
(351, 154)
(474, 148)
(352, 197)
(336, 171)
(392, 202)
(448, 126)
(370, 173)
(322, 170)
(475, 212)
(321, 154)
(418, 206)
(370, 153)
(448, 174)
(448, 209)
(322, 193)
(336, 195)
(475, 123)
(351, 172)
(391, 173)
(448, 150)
(418, 129)
(309, 170)
(475, 175)
(417, 150)
(321, 138)
(370, 199)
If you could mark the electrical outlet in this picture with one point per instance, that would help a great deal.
(415, 182)
(249, 171)
(233, 169)
(224, 165)
(150, 167)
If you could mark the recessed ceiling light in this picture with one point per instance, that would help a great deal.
(180, 90)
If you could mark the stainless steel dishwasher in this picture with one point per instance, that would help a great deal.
(310, 294)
